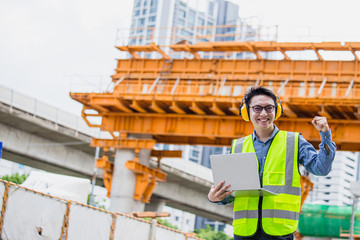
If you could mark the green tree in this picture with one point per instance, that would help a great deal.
(15, 178)
(210, 234)
(164, 222)
(167, 224)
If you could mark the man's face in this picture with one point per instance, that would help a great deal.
(265, 118)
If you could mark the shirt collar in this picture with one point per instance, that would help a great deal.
(275, 131)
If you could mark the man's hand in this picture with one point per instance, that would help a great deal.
(320, 124)
(218, 192)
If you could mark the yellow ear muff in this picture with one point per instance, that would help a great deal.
(244, 113)
(279, 109)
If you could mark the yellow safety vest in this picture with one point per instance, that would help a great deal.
(280, 214)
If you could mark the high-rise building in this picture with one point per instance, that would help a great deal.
(167, 22)
(334, 189)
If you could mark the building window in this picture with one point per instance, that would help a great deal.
(180, 23)
(144, 11)
(145, 3)
(195, 153)
(200, 28)
(349, 174)
(209, 28)
(181, 13)
(191, 19)
(349, 166)
(137, 12)
(133, 41)
(137, 3)
(353, 160)
(218, 150)
(183, 3)
(201, 22)
(153, 9)
(153, 3)
(183, 32)
(141, 22)
(152, 19)
(211, 8)
(149, 32)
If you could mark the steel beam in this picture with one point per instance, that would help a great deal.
(219, 130)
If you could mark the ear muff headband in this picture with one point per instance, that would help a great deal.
(244, 109)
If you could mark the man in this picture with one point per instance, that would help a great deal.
(273, 217)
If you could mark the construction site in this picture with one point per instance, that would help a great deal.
(181, 90)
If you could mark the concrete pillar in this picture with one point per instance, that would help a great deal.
(124, 182)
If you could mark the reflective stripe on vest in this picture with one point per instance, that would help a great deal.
(280, 213)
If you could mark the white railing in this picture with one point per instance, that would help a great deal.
(40, 109)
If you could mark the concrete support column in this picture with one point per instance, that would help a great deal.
(124, 181)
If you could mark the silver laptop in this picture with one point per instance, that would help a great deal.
(240, 171)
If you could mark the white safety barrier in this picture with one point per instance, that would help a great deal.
(28, 214)
(164, 233)
(88, 223)
(129, 228)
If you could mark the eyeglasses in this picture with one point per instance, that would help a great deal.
(268, 108)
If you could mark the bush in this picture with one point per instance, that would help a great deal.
(167, 224)
(210, 234)
(15, 178)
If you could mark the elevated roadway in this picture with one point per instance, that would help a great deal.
(41, 141)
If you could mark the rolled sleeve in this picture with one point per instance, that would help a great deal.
(226, 201)
(317, 163)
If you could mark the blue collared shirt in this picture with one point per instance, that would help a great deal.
(317, 163)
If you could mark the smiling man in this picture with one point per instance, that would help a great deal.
(279, 154)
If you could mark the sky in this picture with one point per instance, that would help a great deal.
(51, 47)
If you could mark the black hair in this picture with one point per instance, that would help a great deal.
(255, 91)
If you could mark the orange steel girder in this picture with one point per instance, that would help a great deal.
(196, 101)
(220, 130)
(146, 180)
